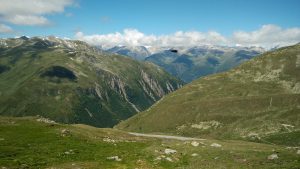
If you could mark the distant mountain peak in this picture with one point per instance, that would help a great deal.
(136, 52)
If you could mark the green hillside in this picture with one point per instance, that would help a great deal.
(34, 142)
(259, 100)
(72, 82)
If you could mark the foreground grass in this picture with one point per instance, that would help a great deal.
(26, 143)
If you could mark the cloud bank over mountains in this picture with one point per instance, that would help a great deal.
(267, 36)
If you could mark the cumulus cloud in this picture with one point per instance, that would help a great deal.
(129, 37)
(133, 37)
(267, 36)
(27, 20)
(193, 38)
(31, 12)
(5, 29)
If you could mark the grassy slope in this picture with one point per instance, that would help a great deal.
(26, 143)
(252, 101)
(24, 92)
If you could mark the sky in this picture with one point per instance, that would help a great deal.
(265, 23)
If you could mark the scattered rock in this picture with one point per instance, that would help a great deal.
(115, 158)
(69, 152)
(170, 151)
(272, 157)
(194, 155)
(65, 132)
(157, 158)
(182, 127)
(202, 143)
(298, 152)
(215, 145)
(207, 125)
(287, 125)
(195, 143)
(254, 136)
(109, 140)
(162, 157)
(293, 148)
(140, 162)
(169, 159)
(45, 120)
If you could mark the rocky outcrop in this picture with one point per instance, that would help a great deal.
(118, 85)
(152, 84)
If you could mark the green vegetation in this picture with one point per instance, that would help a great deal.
(35, 142)
(72, 82)
(257, 101)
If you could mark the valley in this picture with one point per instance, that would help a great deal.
(247, 117)
(256, 101)
(154, 84)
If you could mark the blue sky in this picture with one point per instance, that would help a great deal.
(166, 16)
(157, 17)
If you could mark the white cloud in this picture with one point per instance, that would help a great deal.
(129, 37)
(5, 29)
(31, 12)
(132, 37)
(27, 20)
(193, 38)
(267, 36)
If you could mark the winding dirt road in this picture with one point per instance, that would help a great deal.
(165, 136)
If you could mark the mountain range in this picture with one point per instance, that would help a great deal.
(72, 82)
(136, 52)
(190, 63)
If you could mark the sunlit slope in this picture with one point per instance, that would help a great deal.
(260, 98)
